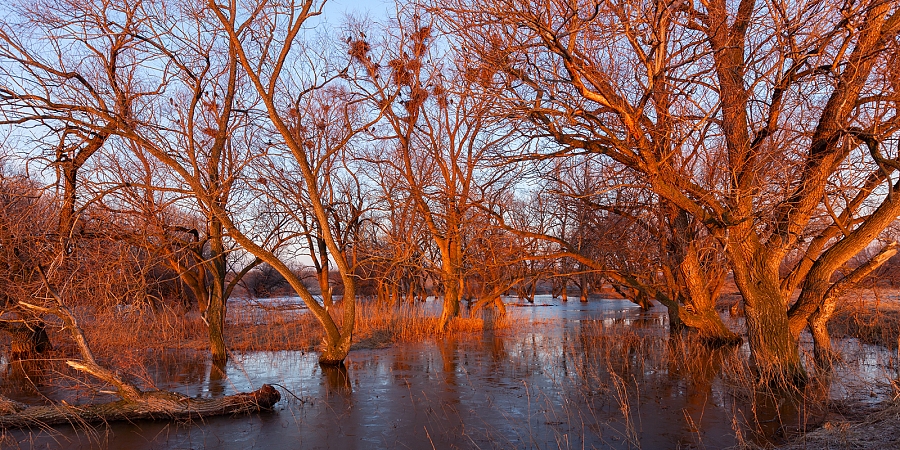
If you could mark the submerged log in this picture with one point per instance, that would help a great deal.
(153, 405)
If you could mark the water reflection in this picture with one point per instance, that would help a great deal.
(602, 374)
(337, 380)
(217, 378)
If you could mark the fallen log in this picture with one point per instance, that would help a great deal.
(152, 405)
(135, 404)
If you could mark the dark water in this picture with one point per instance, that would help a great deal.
(587, 375)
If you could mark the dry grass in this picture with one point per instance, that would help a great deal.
(132, 343)
(872, 316)
(123, 339)
(377, 326)
(880, 430)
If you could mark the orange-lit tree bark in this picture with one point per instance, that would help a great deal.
(631, 81)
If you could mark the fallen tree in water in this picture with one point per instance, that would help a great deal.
(134, 404)
(154, 405)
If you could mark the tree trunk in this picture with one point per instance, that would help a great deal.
(322, 275)
(450, 308)
(707, 325)
(818, 327)
(333, 353)
(701, 290)
(451, 273)
(157, 405)
(818, 320)
(67, 211)
(216, 311)
(774, 352)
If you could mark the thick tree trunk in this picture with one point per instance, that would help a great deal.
(707, 325)
(334, 352)
(710, 328)
(701, 291)
(67, 210)
(451, 273)
(774, 351)
(157, 405)
(450, 308)
(215, 317)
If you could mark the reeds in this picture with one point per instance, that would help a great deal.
(621, 370)
(872, 316)
(251, 328)
(120, 337)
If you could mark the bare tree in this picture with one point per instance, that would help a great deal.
(794, 94)
(325, 121)
(51, 82)
(265, 40)
(438, 139)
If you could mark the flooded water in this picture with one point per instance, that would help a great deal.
(601, 374)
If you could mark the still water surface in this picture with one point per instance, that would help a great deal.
(587, 375)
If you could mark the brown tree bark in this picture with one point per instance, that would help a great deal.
(153, 405)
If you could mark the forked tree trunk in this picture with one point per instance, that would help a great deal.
(818, 320)
(333, 353)
(701, 291)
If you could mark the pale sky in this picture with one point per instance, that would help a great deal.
(336, 10)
